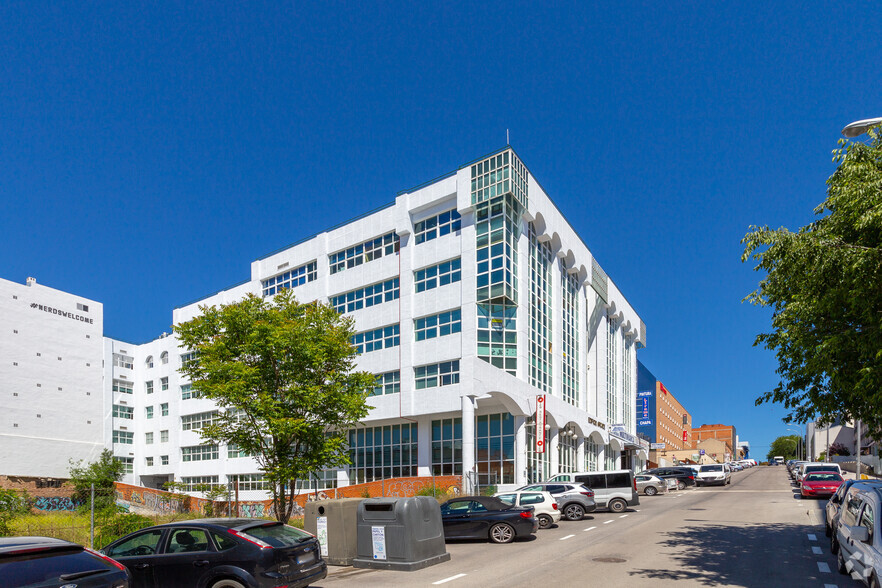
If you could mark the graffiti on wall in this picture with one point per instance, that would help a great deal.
(54, 503)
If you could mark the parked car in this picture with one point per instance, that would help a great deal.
(573, 500)
(486, 517)
(735, 466)
(649, 484)
(215, 553)
(820, 484)
(685, 476)
(713, 473)
(615, 490)
(544, 505)
(818, 466)
(792, 467)
(834, 507)
(44, 561)
(859, 535)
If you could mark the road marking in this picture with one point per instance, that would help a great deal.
(816, 550)
(812, 537)
(830, 586)
(623, 516)
(589, 528)
(607, 522)
(450, 579)
(567, 537)
(635, 510)
(823, 567)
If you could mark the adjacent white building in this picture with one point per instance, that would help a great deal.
(472, 296)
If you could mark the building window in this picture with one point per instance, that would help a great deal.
(197, 421)
(366, 297)
(148, 438)
(123, 361)
(382, 452)
(148, 385)
(123, 438)
(290, 279)
(445, 373)
(82, 307)
(164, 408)
(199, 453)
(566, 452)
(494, 449)
(163, 459)
(148, 411)
(540, 312)
(592, 455)
(233, 451)
(163, 358)
(163, 436)
(498, 336)
(438, 325)
(610, 460)
(363, 252)
(387, 383)
(497, 229)
(434, 276)
(187, 392)
(128, 463)
(187, 359)
(447, 447)
(570, 323)
(123, 412)
(381, 338)
(248, 482)
(437, 226)
(149, 361)
(193, 483)
(323, 479)
(163, 383)
(123, 386)
(502, 173)
(148, 461)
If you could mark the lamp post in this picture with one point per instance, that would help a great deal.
(798, 443)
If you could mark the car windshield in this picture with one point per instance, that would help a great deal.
(831, 477)
(711, 468)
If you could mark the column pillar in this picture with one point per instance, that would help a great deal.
(424, 447)
(553, 440)
(580, 455)
(468, 443)
(520, 450)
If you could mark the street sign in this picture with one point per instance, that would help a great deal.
(540, 423)
(701, 451)
(656, 445)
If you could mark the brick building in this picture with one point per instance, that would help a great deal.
(661, 419)
(724, 433)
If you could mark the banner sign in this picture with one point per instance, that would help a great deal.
(540, 423)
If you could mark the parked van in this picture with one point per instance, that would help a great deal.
(816, 466)
(615, 490)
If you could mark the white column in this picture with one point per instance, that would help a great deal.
(580, 454)
(424, 447)
(520, 450)
(553, 437)
(468, 442)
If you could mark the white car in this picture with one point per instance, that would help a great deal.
(544, 506)
(859, 534)
(713, 473)
(816, 466)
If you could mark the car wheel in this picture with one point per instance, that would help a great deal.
(545, 521)
(574, 512)
(840, 562)
(227, 583)
(501, 533)
(834, 544)
(827, 532)
(874, 581)
(681, 485)
(651, 491)
(617, 505)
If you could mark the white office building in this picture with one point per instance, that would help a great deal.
(472, 297)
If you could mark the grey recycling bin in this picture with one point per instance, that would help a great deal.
(400, 534)
(334, 523)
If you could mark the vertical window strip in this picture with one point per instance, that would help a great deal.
(611, 373)
(447, 447)
(570, 317)
(494, 449)
(540, 313)
(498, 336)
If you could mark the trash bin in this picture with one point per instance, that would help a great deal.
(400, 534)
(334, 523)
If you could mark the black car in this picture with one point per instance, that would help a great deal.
(684, 476)
(486, 517)
(43, 561)
(220, 553)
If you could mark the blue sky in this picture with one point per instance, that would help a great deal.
(149, 153)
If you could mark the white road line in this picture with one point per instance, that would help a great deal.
(816, 550)
(623, 516)
(450, 579)
(635, 510)
(590, 528)
(812, 537)
(567, 537)
(607, 522)
(823, 567)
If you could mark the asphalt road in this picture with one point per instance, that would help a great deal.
(754, 533)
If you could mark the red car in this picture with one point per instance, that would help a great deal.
(818, 484)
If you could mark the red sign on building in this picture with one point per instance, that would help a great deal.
(540, 423)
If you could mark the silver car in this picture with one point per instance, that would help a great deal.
(573, 500)
(650, 485)
(859, 534)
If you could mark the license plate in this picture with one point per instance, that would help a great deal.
(306, 558)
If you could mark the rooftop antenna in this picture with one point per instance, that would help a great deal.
(506, 137)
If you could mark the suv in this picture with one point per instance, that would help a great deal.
(713, 473)
(573, 500)
(42, 561)
(684, 476)
(615, 490)
(544, 506)
(858, 534)
(817, 466)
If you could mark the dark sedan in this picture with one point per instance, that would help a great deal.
(220, 553)
(486, 517)
(43, 561)
(685, 476)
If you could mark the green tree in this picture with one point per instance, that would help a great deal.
(784, 446)
(283, 374)
(824, 286)
(103, 473)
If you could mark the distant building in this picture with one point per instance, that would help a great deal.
(661, 419)
(722, 432)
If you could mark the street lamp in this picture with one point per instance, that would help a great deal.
(859, 127)
(798, 443)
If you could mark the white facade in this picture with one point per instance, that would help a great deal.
(541, 318)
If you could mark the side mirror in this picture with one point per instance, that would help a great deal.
(860, 534)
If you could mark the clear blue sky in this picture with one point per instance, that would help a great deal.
(149, 154)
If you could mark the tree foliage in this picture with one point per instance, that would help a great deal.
(102, 473)
(282, 374)
(784, 446)
(824, 286)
